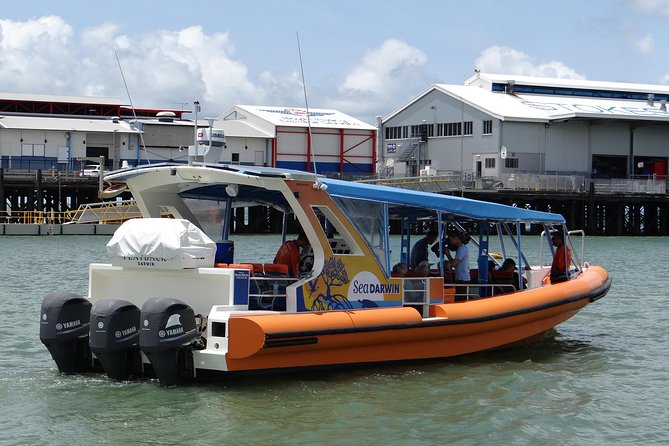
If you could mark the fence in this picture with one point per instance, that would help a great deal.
(528, 182)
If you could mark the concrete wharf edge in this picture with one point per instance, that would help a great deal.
(57, 229)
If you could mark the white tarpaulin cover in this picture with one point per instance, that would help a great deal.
(161, 243)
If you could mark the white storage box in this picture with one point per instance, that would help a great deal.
(161, 243)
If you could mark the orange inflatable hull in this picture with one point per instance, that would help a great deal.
(278, 341)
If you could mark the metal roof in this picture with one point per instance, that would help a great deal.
(547, 108)
(572, 83)
(297, 117)
(60, 99)
(65, 124)
(515, 106)
(241, 128)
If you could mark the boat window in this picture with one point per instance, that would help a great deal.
(210, 215)
(341, 240)
(370, 219)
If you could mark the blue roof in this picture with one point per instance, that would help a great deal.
(457, 206)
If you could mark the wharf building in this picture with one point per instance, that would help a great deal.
(594, 151)
(46, 141)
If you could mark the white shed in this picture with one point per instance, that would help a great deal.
(285, 137)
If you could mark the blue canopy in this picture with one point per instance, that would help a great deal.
(456, 206)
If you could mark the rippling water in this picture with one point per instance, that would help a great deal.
(600, 379)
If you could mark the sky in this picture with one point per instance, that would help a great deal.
(364, 58)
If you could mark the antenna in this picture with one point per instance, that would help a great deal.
(306, 103)
(132, 107)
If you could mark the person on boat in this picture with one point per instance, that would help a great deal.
(420, 252)
(457, 241)
(399, 270)
(507, 275)
(421, 270)
(289, 254)
(560, 259)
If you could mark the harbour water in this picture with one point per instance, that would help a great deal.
(600, 379)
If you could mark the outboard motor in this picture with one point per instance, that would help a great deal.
(114, 337)
(167, 327)
(64, 331)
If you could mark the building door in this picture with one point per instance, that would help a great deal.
(609, 166)
(99, 151)
(478, 169)
(648, 166)
(259, 158)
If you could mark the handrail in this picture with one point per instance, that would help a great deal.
(101, 213)
(580, 232)
(35, 217)
(511, 289)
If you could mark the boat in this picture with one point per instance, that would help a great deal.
(173, 301)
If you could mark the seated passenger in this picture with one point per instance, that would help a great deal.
(289, 254)
(507, 275)
(399, 270)
(421, 270)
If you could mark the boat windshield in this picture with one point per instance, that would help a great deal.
(370, 219)
(210, 214)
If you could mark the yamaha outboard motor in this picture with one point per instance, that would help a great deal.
(114, 337)
(167, 327)
(64, 331)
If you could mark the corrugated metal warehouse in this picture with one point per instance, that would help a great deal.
(52, 132)
(280, 137)
(497, 125)
(47, 131)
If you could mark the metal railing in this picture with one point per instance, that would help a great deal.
(527, 182)
(646, 185)
(35, 217)
(106, 212)
(537, 182)
(99, 213)
(269, 292)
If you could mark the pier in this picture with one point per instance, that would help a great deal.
(46, 202)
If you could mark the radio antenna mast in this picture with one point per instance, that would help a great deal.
(132, 107)
(306, 103)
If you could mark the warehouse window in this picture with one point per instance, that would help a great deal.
(449, 129)
(487, 127)
(468, 127)
(490, 163)
(396, 132)
(511, 163)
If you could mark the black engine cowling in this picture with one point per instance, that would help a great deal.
(167, 327)
(114, 337)
(64, 331)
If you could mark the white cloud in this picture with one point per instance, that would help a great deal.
(664, 80)
(162, 68)
(505, 60)
(651, 6)
(36, 55)
(172, 68)
(644, 45)
(387, 74)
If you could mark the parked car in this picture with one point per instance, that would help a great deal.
(92, 170)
